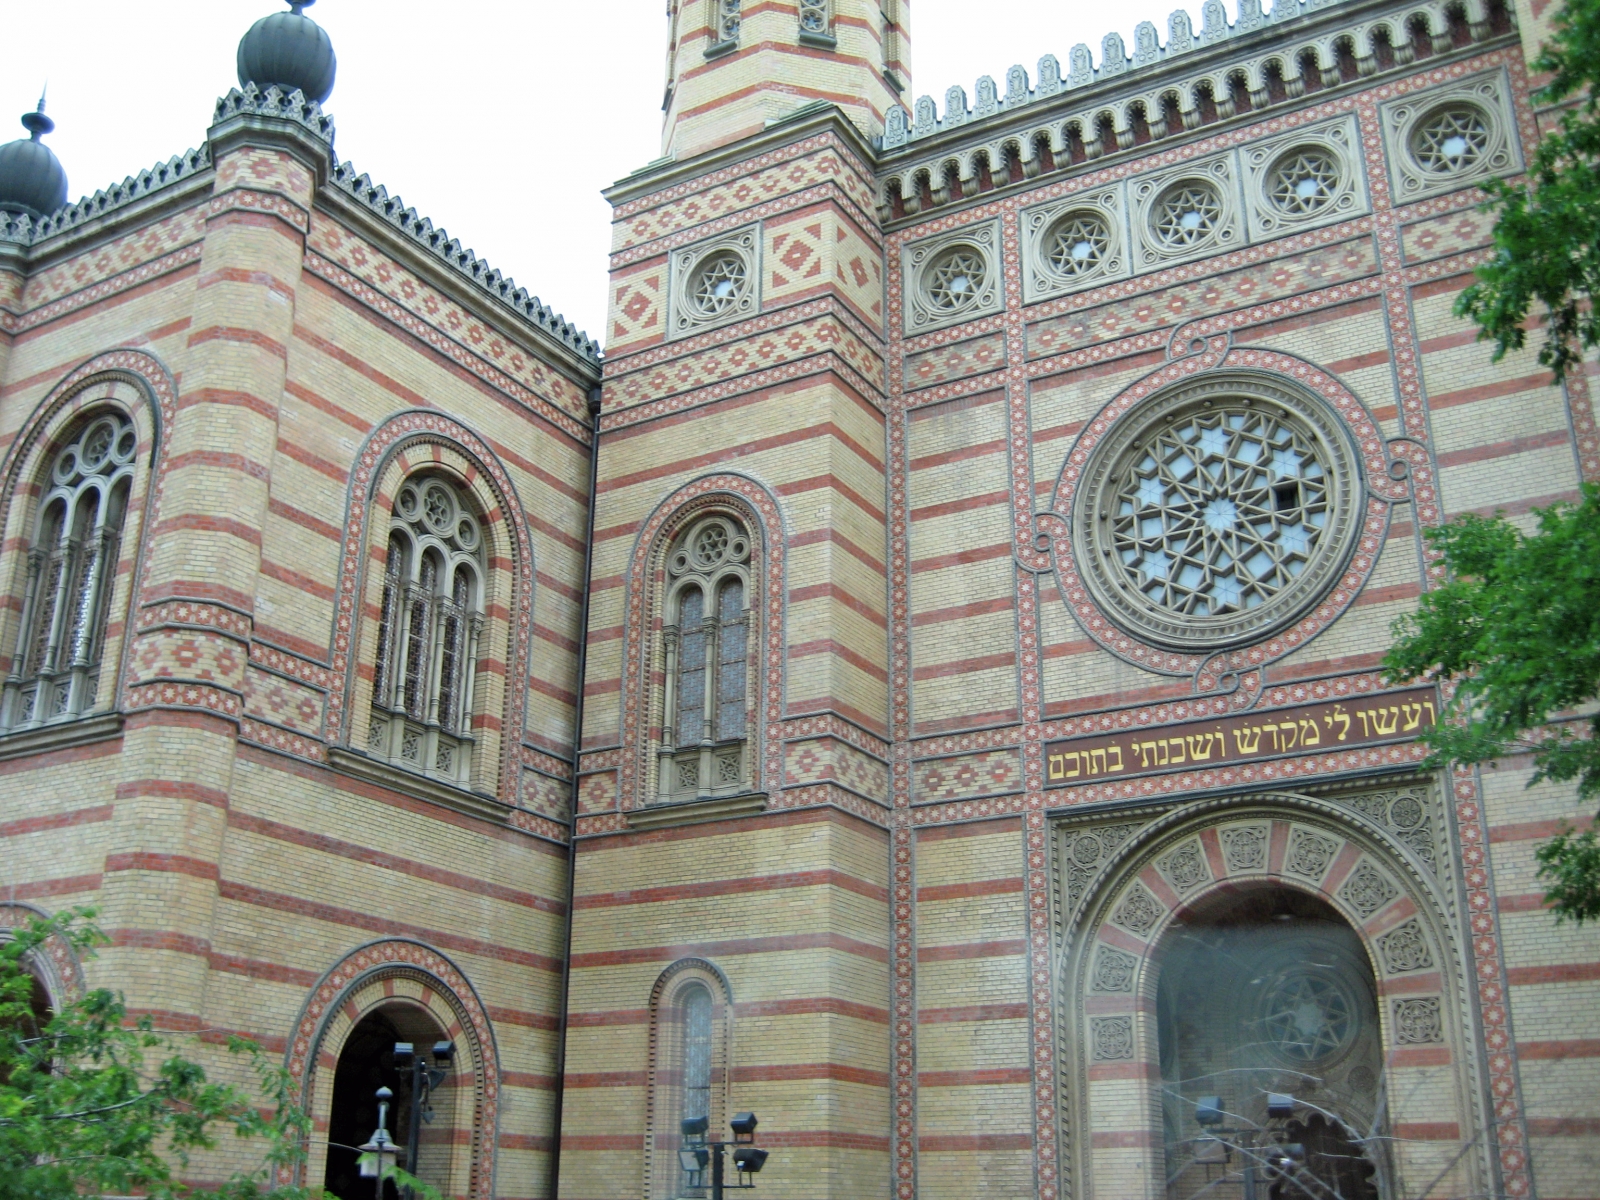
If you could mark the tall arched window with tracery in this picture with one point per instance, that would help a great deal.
(704, 749)
(691, 1044)
(425, 669)
(71, 572)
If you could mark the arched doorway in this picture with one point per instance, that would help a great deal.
(366, 1063)
(1262, 990)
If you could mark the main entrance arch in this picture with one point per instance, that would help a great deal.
(1270, 943)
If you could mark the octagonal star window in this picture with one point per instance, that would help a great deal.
(1186, 214)
(718, 284)
(1076, 244)
(955, 279)
(1303, 182)
(1216, 515)
(1308, 1016)
(1452, 140)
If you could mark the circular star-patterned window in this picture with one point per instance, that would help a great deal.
(1303, 182)
(1076, 244)
(1452, 140)
(954, 280)
(1308, 1017)
(1186, 215)
(718, 285)
(1217, 514)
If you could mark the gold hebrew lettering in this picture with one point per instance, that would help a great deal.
(1338, 714)
(1248, 739)
(1293, 738)
(1365, 731)
(1146, 752)
(1433, 717)
(1116, 750)
(1386, 720)
(1097, 767)
(1310, 735)
(1413, 715)
(1199, 746)
(1175, 744)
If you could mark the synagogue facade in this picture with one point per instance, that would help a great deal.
(920, 683)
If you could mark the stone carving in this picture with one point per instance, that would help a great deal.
(1083, 853)
(1073, 244)
(1417, 1021)
(955, 106)
(1080, 69)
(1449, 137)
(1139, 910)
(1404, 948)
(1368, 889)
(1310, 853)
(1146, 46)
(1244, 847)
(1112, 1038)
(988, 98)
(1185, 868)
(1408, 814)
(715, 282)
(1113, 58)
(1049, 76)
(1113, 970)
(1016, 86)
(1304, 178)
(953, 277)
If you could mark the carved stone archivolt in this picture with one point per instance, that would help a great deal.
(1389, 971)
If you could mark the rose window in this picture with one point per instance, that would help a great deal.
(718, 284)
(1308, 1017)
(1303, 182)
(1221, 512)
(1452, 140)
(955, 279)
(1187, 215)
(1077, 244)
(1218, 513)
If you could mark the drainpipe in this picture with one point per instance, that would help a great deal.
(572, 832)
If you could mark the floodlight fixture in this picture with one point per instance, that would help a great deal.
(1208, 1110)
(444, 1051)
(695, 1127)
(1211, 1151)
(749, 1159)
(744, 1127)
(403, 1052)
(1279, 1105)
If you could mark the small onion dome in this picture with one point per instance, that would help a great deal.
(31, 178)
(290, 50)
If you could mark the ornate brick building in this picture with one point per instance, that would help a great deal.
(921, 687)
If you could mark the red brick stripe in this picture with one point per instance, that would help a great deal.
(972, 1012)
(798, 1071)
(1564, 1126)
(66, 886)
(78, 816)
(167, 864)
(1563, 1048)
(993, 1075)
(755, 945)
(821, 1005)
(961, 891)
(956, 953)
(171, 789)
(1518, 445)
(734, 887)
(958, 1142)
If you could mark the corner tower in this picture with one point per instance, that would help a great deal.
(733, 66)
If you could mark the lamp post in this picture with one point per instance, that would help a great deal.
(424, 1079)
(697, 1154)
(380, 1151)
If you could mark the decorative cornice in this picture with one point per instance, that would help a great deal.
(472, 804)
(101, 727)
(420, 231)
(19, 229)
(695, 812)
(275, 104)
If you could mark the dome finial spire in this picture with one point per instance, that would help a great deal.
(36, 122)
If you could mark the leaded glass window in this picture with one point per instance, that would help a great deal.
(705, 716)
(696, 1005)
(71, 572)
(431, 619)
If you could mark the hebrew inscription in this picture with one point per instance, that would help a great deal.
(1248, 737)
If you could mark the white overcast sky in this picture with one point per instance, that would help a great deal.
(499, 119)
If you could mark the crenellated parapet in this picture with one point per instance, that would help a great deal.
(1262, 60)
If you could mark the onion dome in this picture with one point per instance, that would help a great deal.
(31, 178)
(290, 50)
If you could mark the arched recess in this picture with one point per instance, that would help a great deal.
(420, 987)
(757, 509)
(55, 964)
(137, 385)
(674, 1040)
(1334, 861)
(421, 441)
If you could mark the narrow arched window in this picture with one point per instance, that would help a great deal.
(695, 1006)
(430, 621)
(725, 18)
(705, 718)
(816, 22)
(72, 562)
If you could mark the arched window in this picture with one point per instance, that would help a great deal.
(725, 17)
(690, 1047)
(55, 668)
(816, 21)
(432, 617)
(705, 718)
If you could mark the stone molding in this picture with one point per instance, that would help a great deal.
(696, 812)
(84, 731)
(1490, 95)
(373, 770)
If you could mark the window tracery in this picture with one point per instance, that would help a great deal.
(71, 572)
(725, 19)
(816, 21)
(705, 714)
(431, 620)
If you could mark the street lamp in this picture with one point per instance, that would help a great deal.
(424, 1079)
(697, 1153)
(379, 1154)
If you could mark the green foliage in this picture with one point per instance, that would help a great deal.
(92, 1103)
(1518, 627)
(1545, 239)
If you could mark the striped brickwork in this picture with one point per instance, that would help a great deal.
(286, 360)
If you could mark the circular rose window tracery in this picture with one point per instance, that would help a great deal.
(1216, 513)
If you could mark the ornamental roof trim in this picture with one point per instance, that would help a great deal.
(903, 128)
(24, 230)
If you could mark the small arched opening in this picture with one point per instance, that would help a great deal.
(368, 1062)
(1267, 989)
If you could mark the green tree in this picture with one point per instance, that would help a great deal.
(1545, 236)
(1518, 629)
